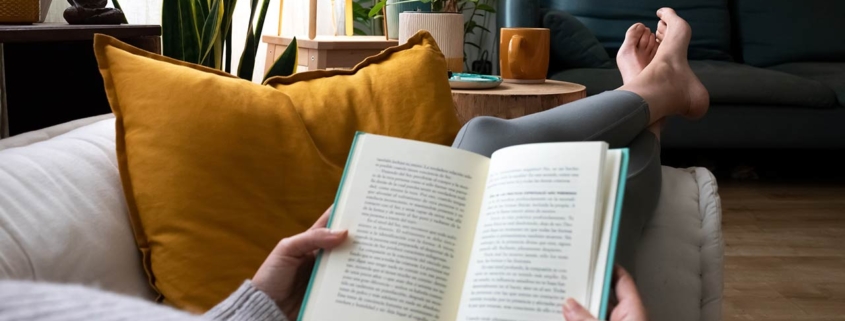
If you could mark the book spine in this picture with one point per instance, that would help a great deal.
(329, 223)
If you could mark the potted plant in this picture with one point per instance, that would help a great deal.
(200, 32)
(444, 22)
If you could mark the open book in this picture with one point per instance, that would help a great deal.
(437, 233)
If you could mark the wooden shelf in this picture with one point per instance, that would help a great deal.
(49, 32)
(335, 42)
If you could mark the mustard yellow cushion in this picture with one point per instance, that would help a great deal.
(216, 170)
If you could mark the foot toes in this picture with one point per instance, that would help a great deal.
(652, 46)
(643, 41)
(634, 33)
(666, 12)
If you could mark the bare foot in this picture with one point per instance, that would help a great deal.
(636, 51)
(667, 83)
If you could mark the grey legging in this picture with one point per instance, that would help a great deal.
(617, 117)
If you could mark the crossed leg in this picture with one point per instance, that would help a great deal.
(658, 83)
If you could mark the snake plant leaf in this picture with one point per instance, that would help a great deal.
(247, 62)
(211, 33)
(190, 31)
(259, 27)
(286, 64)
(171, 30)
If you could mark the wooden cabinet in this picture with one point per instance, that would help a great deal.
(49, 75)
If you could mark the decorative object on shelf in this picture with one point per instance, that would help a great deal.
(394, 8)
(20, 11)
(181, 20)
(443, 22)
(524, 54)
(476, 9)
(93, 12)
(445, 27)
(515, 14)
(473, 81)
(45, 8)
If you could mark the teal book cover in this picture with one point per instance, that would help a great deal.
(611, 253)
(329, 223)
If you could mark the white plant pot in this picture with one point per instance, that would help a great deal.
(446, 28)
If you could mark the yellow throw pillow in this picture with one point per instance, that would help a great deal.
(216, 170)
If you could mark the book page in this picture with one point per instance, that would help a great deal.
(411, 209)
(532, 246)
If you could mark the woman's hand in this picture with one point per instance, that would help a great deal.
(284, 275)
(630, 307)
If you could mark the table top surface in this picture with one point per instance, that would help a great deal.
(550, 87)
(334, 42)
(44, 32)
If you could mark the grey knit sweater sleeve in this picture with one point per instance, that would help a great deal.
(30, 301)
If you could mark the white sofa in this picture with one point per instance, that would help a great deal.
(63, 218)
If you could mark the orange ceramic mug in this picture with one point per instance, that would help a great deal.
(524, 54)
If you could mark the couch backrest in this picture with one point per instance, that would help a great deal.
(772, 32)
(609, 19)
(63, 216)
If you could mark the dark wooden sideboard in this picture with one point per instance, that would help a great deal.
(49, 75)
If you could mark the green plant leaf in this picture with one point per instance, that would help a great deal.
(171, 30)
(229, 9)
(227, 45)
(481, 27)
(247, 65)
(377, 8)
(359, 32)
(259, 27)
(485, 7)
(211, 33)
(190, 32)
(286, 64)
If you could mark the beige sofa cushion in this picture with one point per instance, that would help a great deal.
(63, 216)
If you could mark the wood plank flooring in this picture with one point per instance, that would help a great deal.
(785, 251)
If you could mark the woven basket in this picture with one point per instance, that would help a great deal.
(20, 11)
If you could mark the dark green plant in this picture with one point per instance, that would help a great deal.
(480, 9)
(360, 13)
(436, 5)
(200, 32)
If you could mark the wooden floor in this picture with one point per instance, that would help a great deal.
(785, 251)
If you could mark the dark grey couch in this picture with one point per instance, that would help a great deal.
(775, 69)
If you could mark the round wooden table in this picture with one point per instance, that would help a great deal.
(511, 100)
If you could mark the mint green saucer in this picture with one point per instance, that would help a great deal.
(474, 81)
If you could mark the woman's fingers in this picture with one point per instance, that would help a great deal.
(626, 290)
(324, 219)
(572, 311)
(307, 242)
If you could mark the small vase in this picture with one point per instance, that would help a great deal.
(446, 28)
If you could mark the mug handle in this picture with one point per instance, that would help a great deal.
(515, 56)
